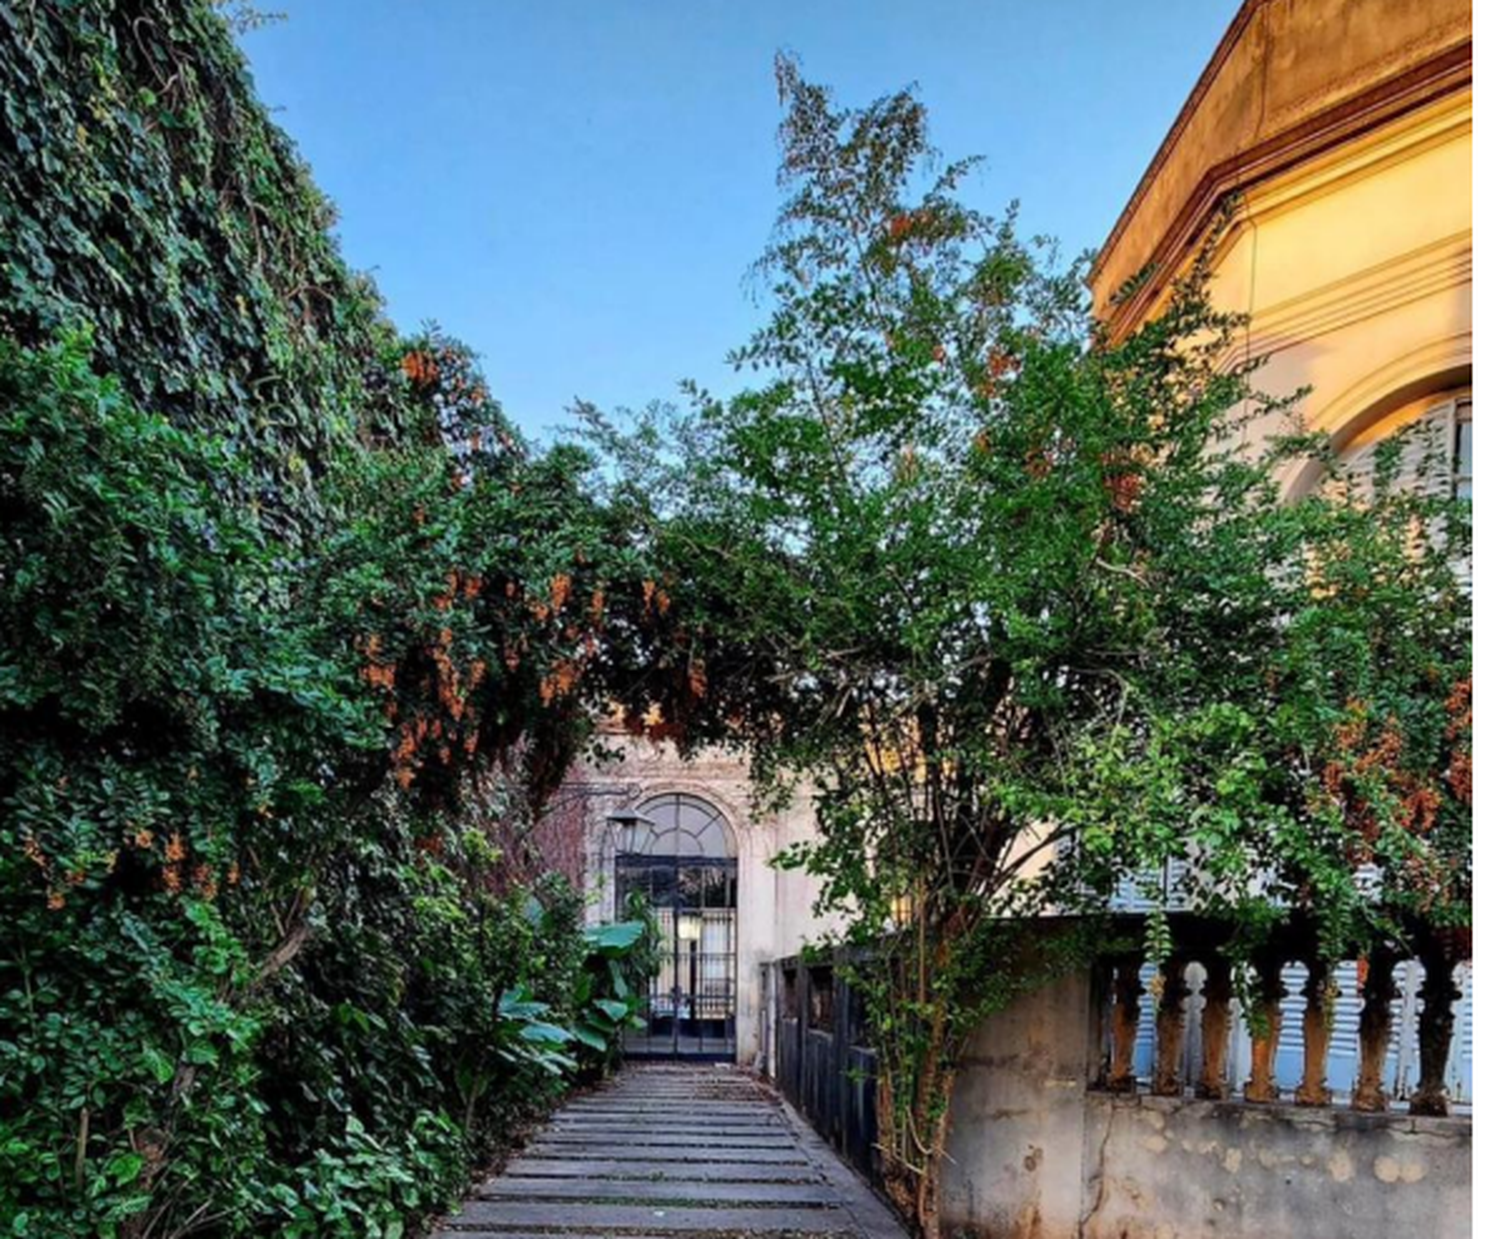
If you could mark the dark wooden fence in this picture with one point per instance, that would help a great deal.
(820, 1062)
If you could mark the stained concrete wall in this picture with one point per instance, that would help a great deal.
(1037, 1155)
(1019, 1134)
(1166, 1168)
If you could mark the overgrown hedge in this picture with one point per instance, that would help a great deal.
(296, 637)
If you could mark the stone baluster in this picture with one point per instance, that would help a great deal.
(1317, 1030)
(1171, 1021)
(1435, 1033)
(1261, 1087)
(1379, 990)
(1218, 989)
(1125, 1015)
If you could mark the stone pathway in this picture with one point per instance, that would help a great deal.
(671, 1152)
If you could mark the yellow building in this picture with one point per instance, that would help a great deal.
(1334, 140)
(1340, 135)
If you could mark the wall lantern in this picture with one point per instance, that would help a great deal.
(689, 928)
(623, 826)
(902, 907)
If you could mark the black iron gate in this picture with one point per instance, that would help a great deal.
(677, 851)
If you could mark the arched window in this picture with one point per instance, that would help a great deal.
(676, 854)
(1438, 451)
(676, 825)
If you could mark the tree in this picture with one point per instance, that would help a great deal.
(951, 562)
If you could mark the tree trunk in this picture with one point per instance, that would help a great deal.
(913, 1136)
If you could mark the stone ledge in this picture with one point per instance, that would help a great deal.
(1332, 1118)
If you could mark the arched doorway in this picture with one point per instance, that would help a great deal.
(679, 853)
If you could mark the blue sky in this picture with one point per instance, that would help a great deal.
(577, 187)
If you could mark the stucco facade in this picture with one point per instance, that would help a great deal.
(1338, 137)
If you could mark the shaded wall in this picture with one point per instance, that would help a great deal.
(1037, 1151)
(1038, 1154)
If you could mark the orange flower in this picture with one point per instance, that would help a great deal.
(55, 901)
(144, 838)
(420, 368)
(176, 850)
(999, 363)
(1461, 777)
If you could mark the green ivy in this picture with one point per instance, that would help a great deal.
(296, 638)
(145, 193)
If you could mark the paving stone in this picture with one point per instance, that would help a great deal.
(498, 1214)
(672, 1152)
(516, 1187)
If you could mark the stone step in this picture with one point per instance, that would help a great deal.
(782, 1155)
(708, 1116)
(674, 1139)
(517, 1187)
(674, 1171)
(730, 1220)
(633, 1107)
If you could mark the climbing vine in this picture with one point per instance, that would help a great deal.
(297, 636)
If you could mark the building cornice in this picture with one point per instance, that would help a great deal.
(1262, 136)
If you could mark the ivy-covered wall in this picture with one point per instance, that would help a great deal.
(145, 192)
(296, 638)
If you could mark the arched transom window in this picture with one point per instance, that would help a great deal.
(1438, 451)
(676, 825)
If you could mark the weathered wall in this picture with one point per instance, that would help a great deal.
(1166, 1168)
(1037, 1155)
(1018, 1131)
(1289, 79)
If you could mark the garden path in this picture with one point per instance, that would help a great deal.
(672, 1152)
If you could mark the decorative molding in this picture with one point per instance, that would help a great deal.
(1401, 377)
(1404, 138)
(1444, 75)
(1434, 268)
